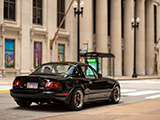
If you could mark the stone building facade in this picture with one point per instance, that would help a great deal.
(28, 26)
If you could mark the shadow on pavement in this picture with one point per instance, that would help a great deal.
(62, 107)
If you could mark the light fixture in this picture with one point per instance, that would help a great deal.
(138, 20)
(132, 20)
(82, 4)
(75, 4)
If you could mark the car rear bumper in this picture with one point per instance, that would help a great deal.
(44, 96)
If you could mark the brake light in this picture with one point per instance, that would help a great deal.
(16, 83)
(52, 85)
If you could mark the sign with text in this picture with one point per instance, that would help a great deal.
(93, 62)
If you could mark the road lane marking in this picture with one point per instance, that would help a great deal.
(139, 93)
(127, 90)
(5, 87)
(152, 97)
(132, 81)
(4, 91)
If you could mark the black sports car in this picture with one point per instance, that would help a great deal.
(71, 83)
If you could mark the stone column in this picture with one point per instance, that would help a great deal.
(101, 26)
(149, 38)
(140, 38)
(25, 43)
(116, 42)
(86, 25)
(71, 27)
(1, 53)
(52, 27)
(101, 31)
(158, 37)
(128, 37)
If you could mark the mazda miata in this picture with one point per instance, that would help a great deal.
(71, 83)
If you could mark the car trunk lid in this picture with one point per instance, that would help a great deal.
(36, 83)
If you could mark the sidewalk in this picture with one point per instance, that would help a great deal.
(6, 79)
(145, 110)
(153, 77)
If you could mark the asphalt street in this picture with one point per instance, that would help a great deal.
(132, 92)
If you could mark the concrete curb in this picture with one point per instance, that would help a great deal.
(138, 78)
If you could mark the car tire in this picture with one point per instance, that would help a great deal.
(115, 95)
(77, 100)
(24, 103)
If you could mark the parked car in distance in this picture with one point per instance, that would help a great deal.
(71, 83)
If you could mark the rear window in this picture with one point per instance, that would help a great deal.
(56, 69)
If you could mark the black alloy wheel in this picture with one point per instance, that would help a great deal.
(77, 100)
(115, 95)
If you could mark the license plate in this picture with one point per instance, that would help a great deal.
(32, 85)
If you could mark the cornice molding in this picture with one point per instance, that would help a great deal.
(34, 32)
(5, 28)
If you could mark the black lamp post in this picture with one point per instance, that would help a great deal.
(135, 24)
(78, 12)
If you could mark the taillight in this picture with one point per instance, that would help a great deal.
(16, 83)
(52, 85)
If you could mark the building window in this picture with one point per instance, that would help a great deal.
(37, 12)
(37, 54)
(61, 51)
(109, 17)
(155, 24)
(9, 9)
(9, 53)
(94, 16)
(60, 12)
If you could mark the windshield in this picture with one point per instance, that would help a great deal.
(56, 69)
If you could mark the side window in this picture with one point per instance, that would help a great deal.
(73, 70)
(89, 72)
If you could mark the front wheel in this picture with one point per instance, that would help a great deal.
(24, 103)
(115, 95)
(77, 100)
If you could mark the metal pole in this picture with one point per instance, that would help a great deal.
(78, 36)
(134, 26)
(134, 69)
(78, 12)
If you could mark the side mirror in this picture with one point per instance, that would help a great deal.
(99, 75)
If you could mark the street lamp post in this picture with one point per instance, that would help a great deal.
(78, 12)
(135, 24)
